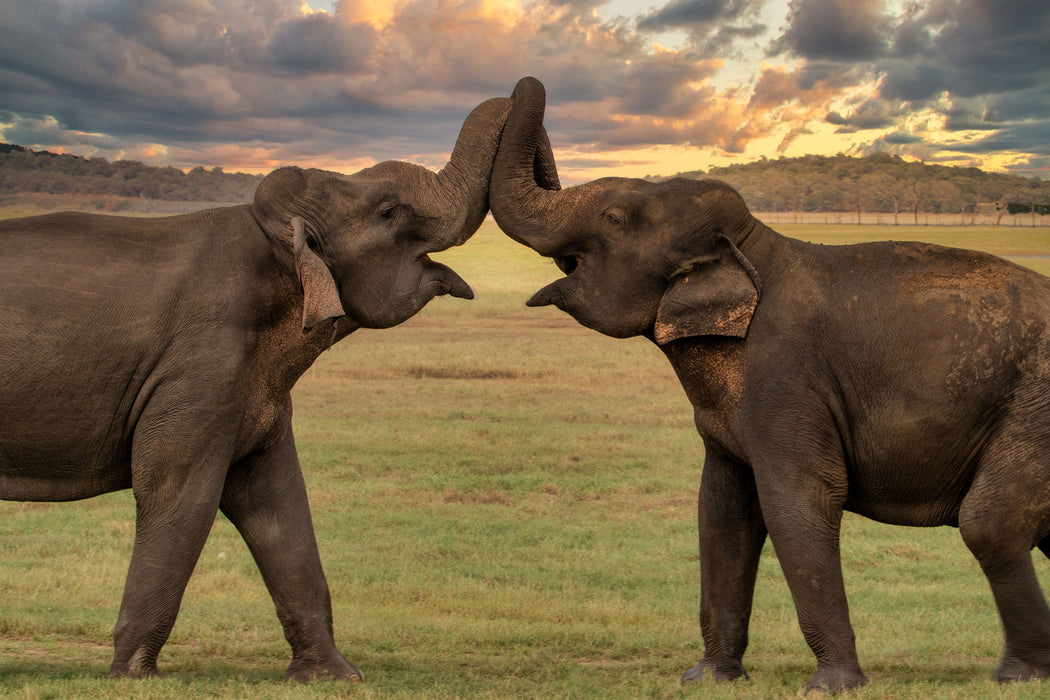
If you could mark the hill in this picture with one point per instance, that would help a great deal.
(877, 183)
(26, 171)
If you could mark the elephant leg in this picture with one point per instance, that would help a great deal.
(177, 481)
(265, 498)
(732, 533)
(1001, 517)
(802, 506)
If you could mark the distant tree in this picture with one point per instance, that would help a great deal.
(880, 182)
(24, 170)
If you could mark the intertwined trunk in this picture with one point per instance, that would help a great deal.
(461, 188)
(526, 198)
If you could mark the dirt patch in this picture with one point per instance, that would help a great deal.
(607, 662)
(459, 373)
(476, 497)
(28, 647)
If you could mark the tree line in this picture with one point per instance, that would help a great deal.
(25, 170)
(879, 183)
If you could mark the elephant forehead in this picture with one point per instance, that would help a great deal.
(394, 171)
(720, 200)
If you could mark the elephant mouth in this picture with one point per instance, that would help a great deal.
(554, 294)
(444, 280)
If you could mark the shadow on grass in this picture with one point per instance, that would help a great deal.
(949, 669)
(535, 674)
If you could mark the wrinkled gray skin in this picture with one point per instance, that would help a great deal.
(158, 355)
(906, 382)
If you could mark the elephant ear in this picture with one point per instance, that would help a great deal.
(320, 293)
(709, 295)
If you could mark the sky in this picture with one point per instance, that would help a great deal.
(634, 88)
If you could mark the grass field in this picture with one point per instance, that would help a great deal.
(505, 504)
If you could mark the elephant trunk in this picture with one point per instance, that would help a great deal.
(461, 188)
(526, 198)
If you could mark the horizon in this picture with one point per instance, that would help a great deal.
(633, 89)
(655, 176)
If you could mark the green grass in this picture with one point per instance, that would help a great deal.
(505, 505)
(1026, 246)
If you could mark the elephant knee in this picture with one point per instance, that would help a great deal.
(996, 548)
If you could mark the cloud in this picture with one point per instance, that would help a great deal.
(969, 48)
(901, 138)
(839, 30)
(1024, 137)
(665, 86)
(584, 163)
(871, 114)
(688, 13)
(1038, 166)
(912, 81)
(713, 26)
(255, 85)
(789, 98)
(216, 71)
(321, 43)
(579, 6)
(979, 65)
(48, 130)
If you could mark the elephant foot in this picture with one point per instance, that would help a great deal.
(125, 670)
(832, 681)
(1013, 669)
(725, 671)
(334, 669)
(141, 665)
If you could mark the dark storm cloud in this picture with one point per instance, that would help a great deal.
(871, 114)
(839, 30)
(217, 72)
(1025, 137)
(991, 58)
(1033, 103)
(713, 26)
(578, 6)
(661, 86)
(319, 43)
(901, 138)
(911, 81)
(1037, 166)
(687, 13)
(837, 75)
(211, 75)
(983, 64)
(970, 47)
(118, 64)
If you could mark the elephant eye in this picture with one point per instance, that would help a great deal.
(614, 217)
(388, 210)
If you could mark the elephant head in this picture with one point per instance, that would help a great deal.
(361, 241)
(640, 258)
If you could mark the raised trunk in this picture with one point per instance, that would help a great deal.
(526, 197)
(462, 186)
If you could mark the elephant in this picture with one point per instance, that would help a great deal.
(158, 354)
(905, 382)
